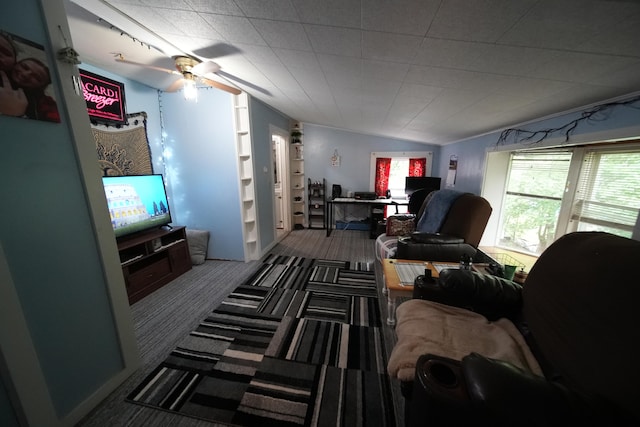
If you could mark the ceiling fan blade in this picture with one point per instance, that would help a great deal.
(175, 86)
(244, 82)
(153, 67)
(221, 86)
(208, 66)
(205, 68)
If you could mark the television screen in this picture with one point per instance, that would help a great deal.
(136, 202)
(413, 183)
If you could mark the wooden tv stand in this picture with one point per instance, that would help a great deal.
(151, 259)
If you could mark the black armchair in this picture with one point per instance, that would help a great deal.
(559, 350)
(458, 235)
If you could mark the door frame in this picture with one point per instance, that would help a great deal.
(282, 163)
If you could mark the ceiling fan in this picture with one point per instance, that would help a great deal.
(192, 71)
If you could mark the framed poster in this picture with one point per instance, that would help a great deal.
(104, 98)
(453, 170)
(25, 80)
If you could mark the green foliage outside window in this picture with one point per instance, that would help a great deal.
(607, 197)
(532, 203)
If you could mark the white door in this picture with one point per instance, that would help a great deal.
(280, 181)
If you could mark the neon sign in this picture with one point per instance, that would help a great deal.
(104, 98)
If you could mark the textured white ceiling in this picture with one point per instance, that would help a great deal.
(433, 71)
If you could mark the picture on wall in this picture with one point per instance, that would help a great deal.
(25, 80)
(453, 170)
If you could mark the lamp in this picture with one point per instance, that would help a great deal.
(189, 88)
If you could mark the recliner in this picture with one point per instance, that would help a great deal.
(575, 316)
(458, 236)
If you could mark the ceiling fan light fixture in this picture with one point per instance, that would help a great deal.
(189, 89)
(192, 70)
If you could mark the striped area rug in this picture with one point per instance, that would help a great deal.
(298, 343)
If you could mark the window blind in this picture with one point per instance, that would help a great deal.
(608, 192)
(539, 174)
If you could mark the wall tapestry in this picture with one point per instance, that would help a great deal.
(124, 150)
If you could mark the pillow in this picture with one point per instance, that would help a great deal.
(198, 241)
(400, 225)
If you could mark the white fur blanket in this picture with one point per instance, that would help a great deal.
(429, 327)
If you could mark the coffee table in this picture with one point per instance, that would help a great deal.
(395, 288)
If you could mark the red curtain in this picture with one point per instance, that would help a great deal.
(383, 167)
(417, 166)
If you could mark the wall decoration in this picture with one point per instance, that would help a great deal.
(25, 80)
(596, 114)
(124, 150)
(335, 159)
(453, 169)
(104, 98)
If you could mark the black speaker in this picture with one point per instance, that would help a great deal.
(336, 191)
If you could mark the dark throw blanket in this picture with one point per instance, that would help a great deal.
(436, 211)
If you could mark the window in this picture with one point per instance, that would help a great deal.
(535, 186)
(608, 193)
(399, 168)
(389, 170)
(398, 172)
(549, 193)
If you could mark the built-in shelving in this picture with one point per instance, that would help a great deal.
(246, 173)
(296, 156)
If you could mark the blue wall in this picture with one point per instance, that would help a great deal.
(197, 158)
(617, 122)
(354, 150)
(202, 168)
(261, 117)
(46, 230)
(471, 159)
(140, 98)
(47, 235)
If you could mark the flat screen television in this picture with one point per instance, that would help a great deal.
(136, 202)
(413, 183)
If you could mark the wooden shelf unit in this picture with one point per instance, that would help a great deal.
(151, 259)
(317, 203)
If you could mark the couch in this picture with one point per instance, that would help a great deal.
(558, 350)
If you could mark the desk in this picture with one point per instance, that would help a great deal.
(371, 204)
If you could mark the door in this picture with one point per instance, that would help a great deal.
(280, 181)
